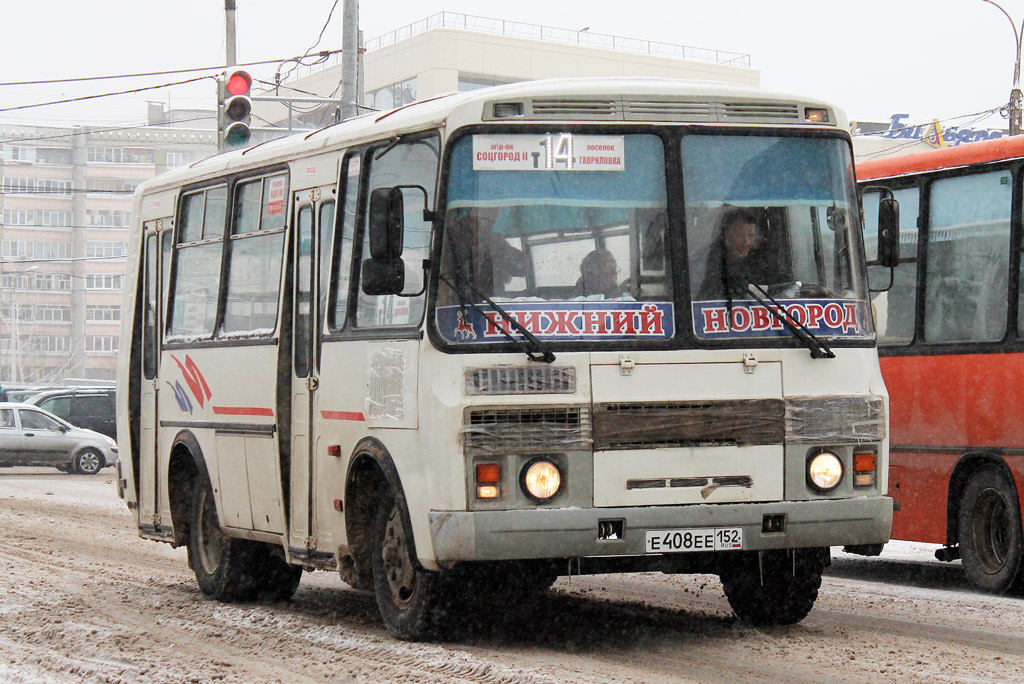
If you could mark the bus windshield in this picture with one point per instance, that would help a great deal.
(566, 233)
(779, 213)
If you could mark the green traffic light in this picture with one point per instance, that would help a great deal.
(237, 135)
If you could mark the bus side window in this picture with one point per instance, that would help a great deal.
(255, 253)
(895, 311)
(343, 265)
(326, 221)
(411, 163)
(968, 255)
(201, 218)
(149, 336)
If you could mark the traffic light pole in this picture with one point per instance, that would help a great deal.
(229, 38)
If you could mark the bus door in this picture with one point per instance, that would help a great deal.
(305, 376)
(156, 262)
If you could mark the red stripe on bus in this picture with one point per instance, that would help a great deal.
(343, 415)
(243, 411)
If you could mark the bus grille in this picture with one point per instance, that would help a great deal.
(521, 380)
(655, 110)
(575, 109)
(690, 424)
(525, 430)
(760, 110)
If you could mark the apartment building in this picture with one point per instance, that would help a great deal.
(66, 199)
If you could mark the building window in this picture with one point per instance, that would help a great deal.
(121, 155)
(53, 313)
(20, 217)
(101, 343)
(49, 344)
(103, 281)
(102, 312)
(36, 186)
(177, 159)
(98, 249)
(107, 218)
(21, 312)
(15, 249)
(467, 83)
(53, 155)
(117, 185)
(394, 95)
(53, 218)
(19, 153)
(51, 281)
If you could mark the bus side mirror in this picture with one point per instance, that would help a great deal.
(888, 232)
(383, 276)
(387, 223)
(384, 272)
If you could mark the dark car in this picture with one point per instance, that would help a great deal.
(30, 436)
(92, 408)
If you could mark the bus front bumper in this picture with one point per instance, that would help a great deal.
(573, 532)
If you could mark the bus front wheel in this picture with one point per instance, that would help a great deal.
(409, 597)
(773, 587)
(989, 524)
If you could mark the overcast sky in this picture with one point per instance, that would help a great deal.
(928, 58)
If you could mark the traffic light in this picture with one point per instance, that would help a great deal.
(234, 110)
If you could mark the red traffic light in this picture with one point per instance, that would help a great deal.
(238, 83)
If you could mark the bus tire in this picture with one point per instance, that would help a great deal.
(409, 597)
(226, 568)
(277, 580)
(989, 526)
(779, 590)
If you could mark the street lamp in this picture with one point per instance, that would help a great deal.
(1015, 95)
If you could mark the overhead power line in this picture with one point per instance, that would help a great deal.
(322, 56)
(168, 72)
(93, 97)
(57, 136)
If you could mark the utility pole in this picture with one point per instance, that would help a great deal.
(229, 39)
(1015, 94)
(350, 59)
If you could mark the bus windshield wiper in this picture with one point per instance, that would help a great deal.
(535, 349)
(819, 350)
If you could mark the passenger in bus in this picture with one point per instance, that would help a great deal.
(732, 264)
(599, 275)
(483, 254)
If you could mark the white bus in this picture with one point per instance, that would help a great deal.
(574, 326)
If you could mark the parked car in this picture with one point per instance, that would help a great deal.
(32, 436)
(92, 408)
(19, 393)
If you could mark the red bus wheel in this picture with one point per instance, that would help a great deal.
(990, 532)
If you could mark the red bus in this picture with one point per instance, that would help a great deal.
(950, 324)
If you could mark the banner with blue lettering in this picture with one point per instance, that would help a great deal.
(823, 317)
(559, 321)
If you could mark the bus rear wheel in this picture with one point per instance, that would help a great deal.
(989, 524)
(409, 598)
(224, 566)
(773, 587)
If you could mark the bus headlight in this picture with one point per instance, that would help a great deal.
(824, 471)
(540, 480)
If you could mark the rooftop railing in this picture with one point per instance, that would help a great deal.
(517, 29)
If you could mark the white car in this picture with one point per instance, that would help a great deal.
(30, 436)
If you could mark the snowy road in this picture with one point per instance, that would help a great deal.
(83, 599)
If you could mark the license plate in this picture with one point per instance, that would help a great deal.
(696, 539)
